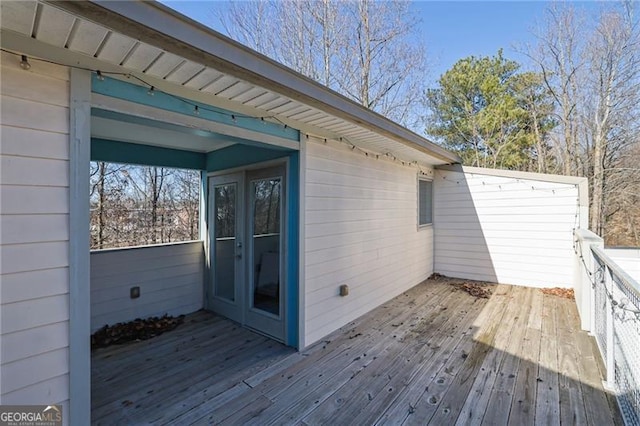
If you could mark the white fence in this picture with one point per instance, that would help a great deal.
(609, 305)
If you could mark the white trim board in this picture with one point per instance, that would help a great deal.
(79, 274)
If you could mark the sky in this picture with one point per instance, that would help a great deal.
(452, 30)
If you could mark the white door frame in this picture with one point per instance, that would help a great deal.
(230, 308)
(284, 258)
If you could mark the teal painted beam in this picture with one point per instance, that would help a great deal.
(240, 155)
(146, 155)
(139, 94)
(293, 249)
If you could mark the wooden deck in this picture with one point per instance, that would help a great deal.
(434, 355)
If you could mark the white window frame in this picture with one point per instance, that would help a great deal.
(428, 224)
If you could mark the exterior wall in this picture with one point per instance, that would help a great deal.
(34, 236)
(360, 230)
(628, 259)
(509, 229)
(170, 278)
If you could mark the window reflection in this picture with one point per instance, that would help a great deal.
(266, 200)
(225, 231)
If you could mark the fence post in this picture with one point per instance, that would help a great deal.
(585, 277)
(611, 373)
(593, 265)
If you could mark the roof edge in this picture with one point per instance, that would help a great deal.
(582, 183)
(542, 177)
(161, 26)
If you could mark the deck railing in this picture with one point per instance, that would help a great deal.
(609, 304)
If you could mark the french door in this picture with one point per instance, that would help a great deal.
(247, 256)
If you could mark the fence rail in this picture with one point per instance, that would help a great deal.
(620, 315)
(615, 317)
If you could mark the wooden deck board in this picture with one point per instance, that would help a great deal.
(174, 358)
(436, 374)
(506, 374)
(442, 350)
(547, 390)
(523, 402)
(434, 355)
(444, 399)
(147, 390)
(572, 408)
(347, 401)
(353, 354)
(368, 388)
(324, 375)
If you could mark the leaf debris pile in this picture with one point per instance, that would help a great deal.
(437, 276)
(138, 329)
(479, 289)
(567, 293)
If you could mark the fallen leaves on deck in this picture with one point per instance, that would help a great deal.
(437, 276)
(138, 329)
(479, 289)
(567, 293)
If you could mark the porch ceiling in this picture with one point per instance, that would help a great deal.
(123, 45)
(189, 139)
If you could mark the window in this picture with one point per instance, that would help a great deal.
(141, 205)
(425, 202)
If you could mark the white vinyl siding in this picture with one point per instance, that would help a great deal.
(34, 239)
(507, 230)
(170, 278)
(360, 216)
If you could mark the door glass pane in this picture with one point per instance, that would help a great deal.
(225, 240)
(266, 205)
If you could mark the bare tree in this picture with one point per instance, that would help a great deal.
(100, 189)
(105, 194)
(369, 51)
(134, 205)
(299, 34)
(592, 70)
(184, 198)
(156, 177)
(558, 56)
(613, 55)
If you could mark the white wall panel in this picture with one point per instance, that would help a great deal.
(512, 230)
(361, 230)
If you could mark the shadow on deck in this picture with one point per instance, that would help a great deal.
(433, 355)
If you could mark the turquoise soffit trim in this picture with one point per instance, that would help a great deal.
(146, 155)
(240, 155)
(140, 95)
